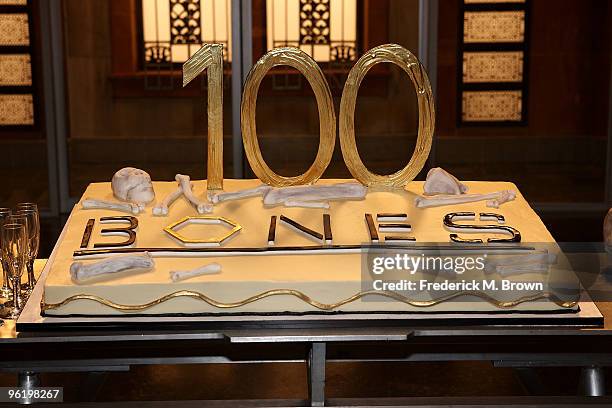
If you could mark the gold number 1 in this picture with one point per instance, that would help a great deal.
(211, 56)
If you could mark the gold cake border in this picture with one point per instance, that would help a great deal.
(302, 296)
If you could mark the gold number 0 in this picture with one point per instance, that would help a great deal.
(400, 56)
(327, 116)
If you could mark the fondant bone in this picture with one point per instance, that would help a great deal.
(209, 269)
(186, 186)
(134, 185)
(504, 197)
(161, 209)
(132, 208)
(80, 271)
(321, 193)
(238, 195)
(439, 181)
(493, 199)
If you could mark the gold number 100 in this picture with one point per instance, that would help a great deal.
(210, 57)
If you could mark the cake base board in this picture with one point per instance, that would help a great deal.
(31, 319)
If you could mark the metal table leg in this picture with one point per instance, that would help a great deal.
(593, 381)
(28, 380)
(316, 374)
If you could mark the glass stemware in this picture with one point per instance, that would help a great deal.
(33, 233)
(22, 219)
(14, 249)
(25, 206)
(5, 290)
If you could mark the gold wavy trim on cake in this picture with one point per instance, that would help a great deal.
(307, 299)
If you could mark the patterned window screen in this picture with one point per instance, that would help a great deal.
(493, 49)
(173, 30)
(16, 88)
(324, 29)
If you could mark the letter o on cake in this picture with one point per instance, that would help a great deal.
(403, 58)
(327, 117)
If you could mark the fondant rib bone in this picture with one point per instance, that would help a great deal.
(161, 209)
(496, 198)
(119, 263)
(186, 186)
(307, 194)
(92, 203)
(209, 269)
(240, 194)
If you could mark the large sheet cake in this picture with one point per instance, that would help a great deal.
(327, 278)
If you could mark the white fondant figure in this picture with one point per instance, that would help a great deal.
(185, 183)
(209, 269)
(94, 204)
(133, 185)
(504, 197)
(440, 181)
(494, 200)
(119, 263)
(240, 194)
(162, 209)
(290, 196)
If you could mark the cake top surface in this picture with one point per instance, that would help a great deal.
(347, 221)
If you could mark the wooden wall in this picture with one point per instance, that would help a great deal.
(569, 69)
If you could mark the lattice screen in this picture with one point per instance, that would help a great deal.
(16, 91)
(324, 29)
(493, 50)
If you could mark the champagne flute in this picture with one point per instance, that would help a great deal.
(33, 233)
(5, 290)
(15, 218)
(14, 249)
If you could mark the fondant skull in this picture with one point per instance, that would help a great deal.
(134, 185)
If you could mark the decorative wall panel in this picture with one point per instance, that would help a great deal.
(324, 29)
(492, 71)
(314, 21)
(185, 26)
(14, 29)
(16, 81)
(173, 30)
(493, 66)
(15, 70)
(494, 26)
(16, 110)
(492, 106)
